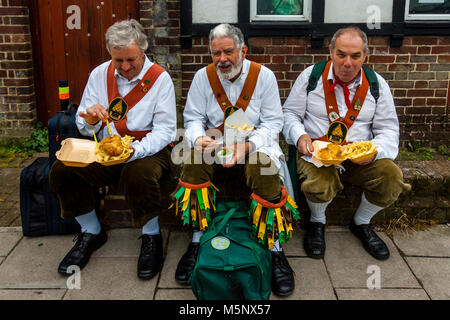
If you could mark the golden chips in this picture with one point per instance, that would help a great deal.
(109, 150)
(335, 154)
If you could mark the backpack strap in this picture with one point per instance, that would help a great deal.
(318, 68)
(315, 75)
(373, 82)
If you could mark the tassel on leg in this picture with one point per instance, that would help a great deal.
(273, 221)
(196, 203)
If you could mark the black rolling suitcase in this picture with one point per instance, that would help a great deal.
(39, 209)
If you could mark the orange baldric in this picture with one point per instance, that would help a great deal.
(331, 103)
(246, 94)
(133, 97)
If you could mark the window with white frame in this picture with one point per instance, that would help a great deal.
(427, 10)
(280, 10)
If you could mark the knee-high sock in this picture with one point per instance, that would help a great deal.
(89, 223)
(318, 211)
(151, 228)
(276, 247)
(196, 235)
(365, 211)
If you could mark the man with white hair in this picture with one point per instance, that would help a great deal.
(138, 97)
(231, 83)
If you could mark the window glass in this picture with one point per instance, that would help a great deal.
(279, 7)
(429, 6)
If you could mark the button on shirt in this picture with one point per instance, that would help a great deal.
(264, 111)
(307, 114)
(156, 111)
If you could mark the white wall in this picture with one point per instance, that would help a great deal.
(214, 11)
(355, 11)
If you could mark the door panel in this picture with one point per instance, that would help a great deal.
(60, 53)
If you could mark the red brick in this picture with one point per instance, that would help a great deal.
(424, 40)
(422, 67)
(440, 50)
(379, 41)
(401, 84)
(438, 84)
(420, 93)
(421, 84)
(424, 50)
(401, 67)
(436, 102)
(418, 102)
(278, 59)
(444, 59)
(381, 59)
(279, 50)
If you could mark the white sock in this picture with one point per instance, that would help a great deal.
(151, 228)
(365, 211)
(276, 246)
(89, 223)
(318, 211)
(196, 235)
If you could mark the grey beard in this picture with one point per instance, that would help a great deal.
(235, 70)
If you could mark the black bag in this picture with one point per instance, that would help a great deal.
(61, 126)
(39, 209)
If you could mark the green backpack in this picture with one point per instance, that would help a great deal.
(231, 265)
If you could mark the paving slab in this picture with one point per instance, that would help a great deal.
(8, 241)
(178, 243)
(121, 243)
(311, 281)
(18, 294)
(111, 279)
(382, 294)
(33, 263)
(350, 266)
(434, 274)
(294, 247)
(434, 242)
(175, 294)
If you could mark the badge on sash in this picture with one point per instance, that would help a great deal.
(229, 111)
(337, 132)
(333, 116)
(357, 106)
(117, 110)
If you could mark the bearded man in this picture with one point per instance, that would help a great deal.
(231, 83)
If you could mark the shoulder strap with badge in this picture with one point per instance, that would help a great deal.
(219, 92)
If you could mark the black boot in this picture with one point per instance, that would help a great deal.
(283, 282)
(370, 241)
(314, 242)
(187, 263)
(151, 257)
(79, 255)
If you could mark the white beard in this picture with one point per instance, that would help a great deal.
(235, 69)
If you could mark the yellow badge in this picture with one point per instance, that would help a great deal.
(337, 132)
(229, 111)
(117, 110)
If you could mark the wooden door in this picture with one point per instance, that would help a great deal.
(65, 48)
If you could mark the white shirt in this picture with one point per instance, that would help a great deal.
(264, 111)
(156, 111)
(307, 114)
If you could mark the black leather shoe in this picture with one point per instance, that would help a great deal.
(283, 282)
(371, 242)
(79, 255)
(314, 242)
(187, 263)
(151, 257)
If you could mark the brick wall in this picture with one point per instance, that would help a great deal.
(160, 19)
(418, 74)
(17, 100)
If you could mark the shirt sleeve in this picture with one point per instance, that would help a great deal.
(89, 99)
(271, 116)
(195, 110)
(385, 126)
(164, 124)
(294, 109)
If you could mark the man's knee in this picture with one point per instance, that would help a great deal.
(321, 184)
(387, 185)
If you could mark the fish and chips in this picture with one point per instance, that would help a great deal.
(114, 148)
(329, 153)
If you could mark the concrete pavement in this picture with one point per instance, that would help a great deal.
(418, 269)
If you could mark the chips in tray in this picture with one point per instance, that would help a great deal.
(329, 153)
(113, 150)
